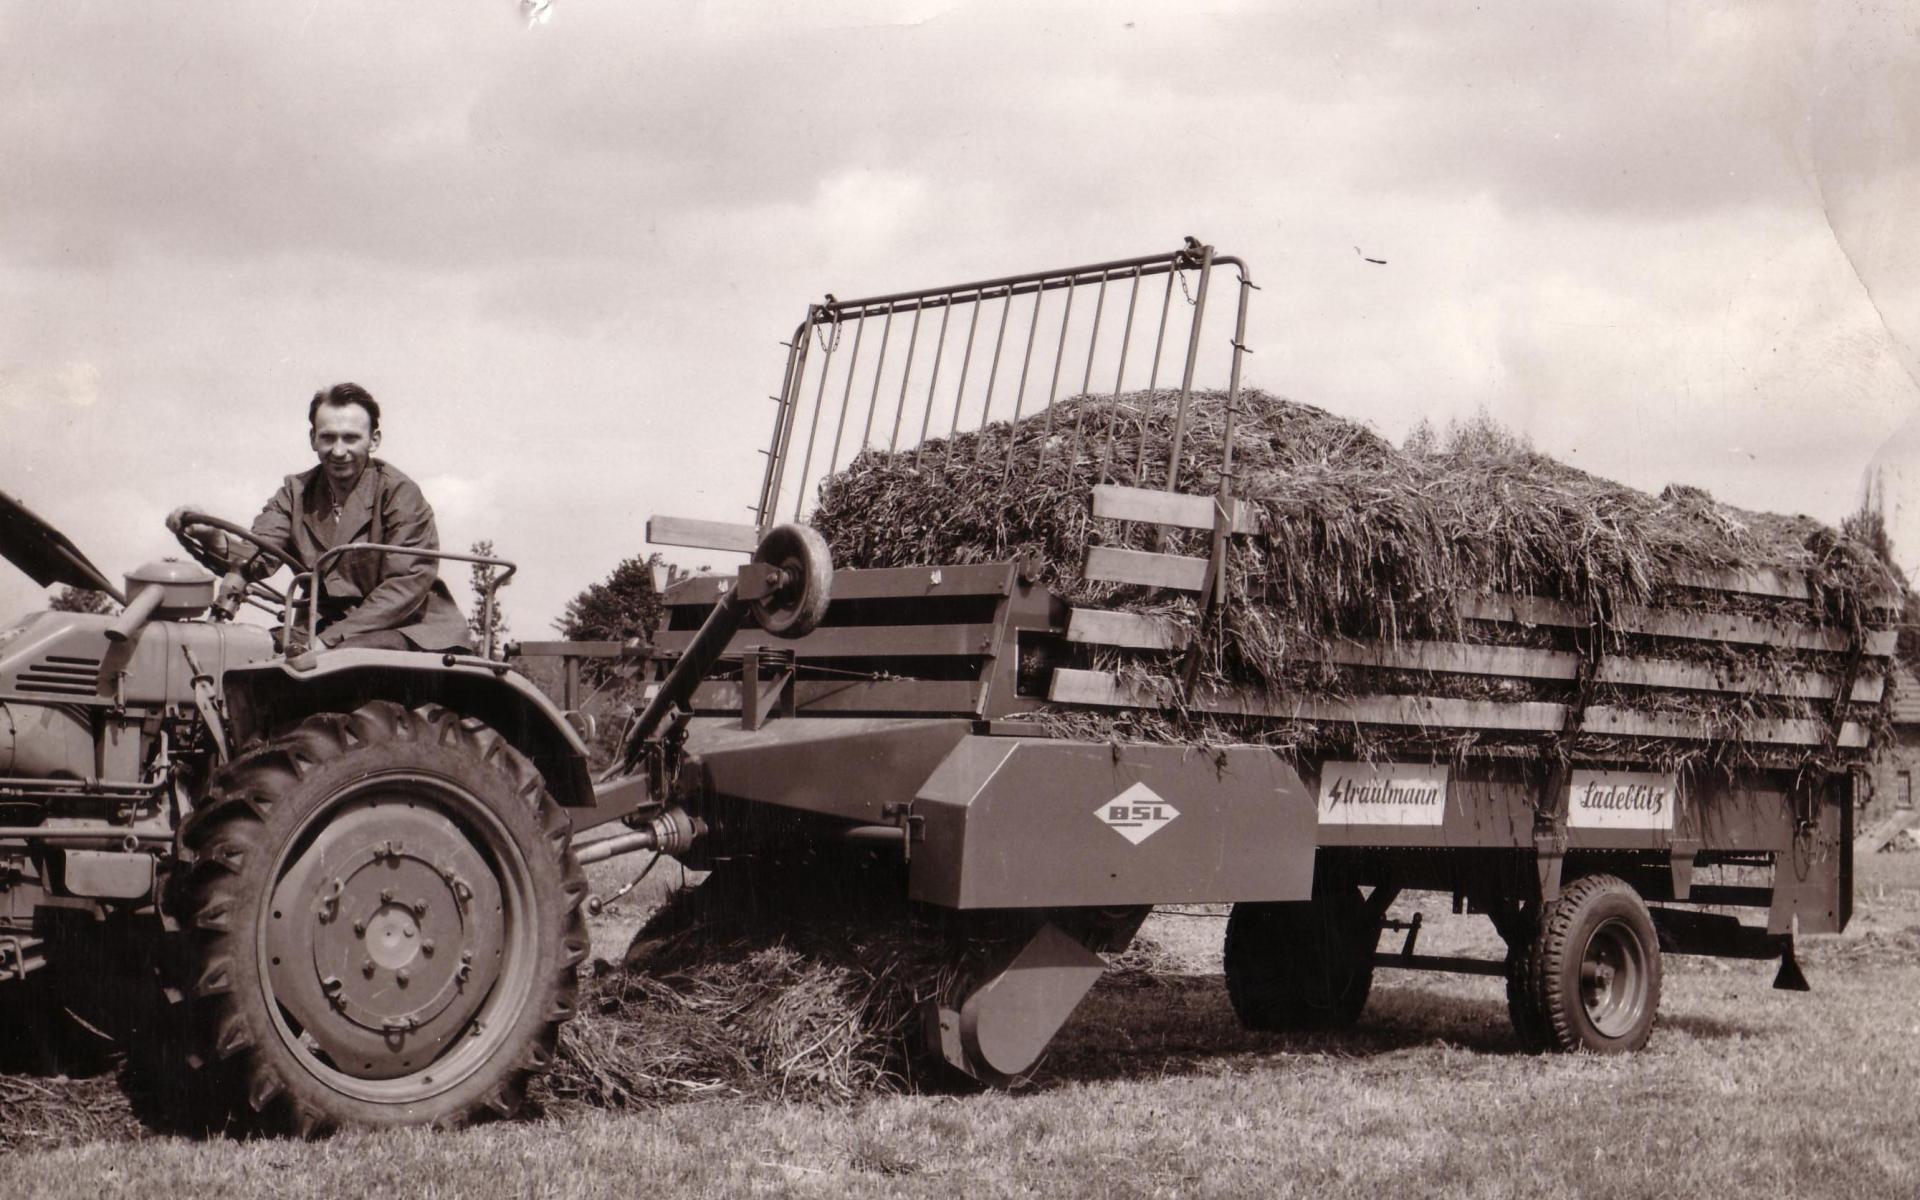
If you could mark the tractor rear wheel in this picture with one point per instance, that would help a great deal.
(1590, 978)
(1301, 965)
(386, 921)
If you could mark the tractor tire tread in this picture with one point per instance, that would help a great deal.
(232, 826)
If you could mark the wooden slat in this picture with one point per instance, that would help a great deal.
(1601, 718)
(855, 696)
(702, 535)
(1524, 715)
(1140, 631)
(856, 641)
(1101, 688)
(885, 583)
(1687, 676)
(1112, 501)
(704, 590)
(1107, 690)
(1521, 662)
(879, 583)
(1788, 585)
(1655, 622)
(1106, 563)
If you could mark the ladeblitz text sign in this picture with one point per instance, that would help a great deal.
(1621, 800)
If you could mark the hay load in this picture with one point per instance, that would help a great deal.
(1358, 541)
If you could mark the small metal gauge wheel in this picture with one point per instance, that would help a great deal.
(796, 607)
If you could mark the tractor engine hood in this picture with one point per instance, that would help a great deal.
(45, 554)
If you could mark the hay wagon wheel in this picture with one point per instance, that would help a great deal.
(1301, 965)
(386, 921)
(1589, 977)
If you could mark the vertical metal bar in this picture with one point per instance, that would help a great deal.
(1059, 355)
(570, 691)
(1113, 407)
(1153, 376)
(819, 398)
(846, 394)
(1227, 490)
(783, 425)
(486, 617)
(1026, 361)
(1086, 380)
(1186, 378)
(1093, 340)
(993, 372)
(960, 390)
(906, 373)
(939, 350)
(879, 368)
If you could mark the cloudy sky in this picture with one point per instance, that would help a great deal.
(1669, 242)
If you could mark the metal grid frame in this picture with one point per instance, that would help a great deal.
(822, 400)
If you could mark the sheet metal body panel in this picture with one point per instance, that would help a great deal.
(1031, 823)
(850, 768)
(1490, 807)
(1478, 812)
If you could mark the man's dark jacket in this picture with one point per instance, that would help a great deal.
(374, 590)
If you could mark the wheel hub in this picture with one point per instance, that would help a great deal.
(1612, 980)
(386, 936)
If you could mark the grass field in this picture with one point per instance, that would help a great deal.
(1154, 1091)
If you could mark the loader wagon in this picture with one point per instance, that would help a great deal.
(990, 732)
(905, 721)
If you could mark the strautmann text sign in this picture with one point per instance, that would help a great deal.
(1382, 794)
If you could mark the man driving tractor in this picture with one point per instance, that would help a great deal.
(369, 599)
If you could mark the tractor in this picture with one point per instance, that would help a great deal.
(352, 870)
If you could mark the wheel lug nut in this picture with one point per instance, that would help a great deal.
(402, 976)
(366, 968)
(359, 929)
(426, 946)
(386, 895)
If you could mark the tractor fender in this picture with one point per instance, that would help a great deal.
(266, 699)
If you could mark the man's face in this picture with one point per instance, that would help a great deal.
(344, 440)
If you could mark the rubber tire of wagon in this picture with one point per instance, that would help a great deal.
(1590, 977)
(1301, 965)
(310, 836)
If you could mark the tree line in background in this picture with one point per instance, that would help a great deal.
(1870, 527)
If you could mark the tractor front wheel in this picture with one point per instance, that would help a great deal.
(386, 921)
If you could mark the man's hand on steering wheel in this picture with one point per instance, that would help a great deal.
(209, 540)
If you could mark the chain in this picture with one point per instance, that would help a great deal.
(829, 345)
(1180, 273)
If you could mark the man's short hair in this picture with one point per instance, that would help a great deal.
(342, 395)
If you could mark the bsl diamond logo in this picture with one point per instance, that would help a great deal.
(1137, 813)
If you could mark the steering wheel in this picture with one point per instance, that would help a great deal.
(260, 593)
